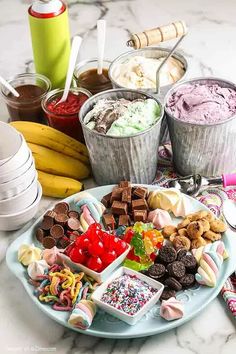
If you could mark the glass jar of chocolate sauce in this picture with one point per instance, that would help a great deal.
(86, 76)
(32, 88)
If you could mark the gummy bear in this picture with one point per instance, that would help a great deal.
(128, 235)
(132, 256)
(149, 248)
(138, 244)
(154, 235)
(134, 265)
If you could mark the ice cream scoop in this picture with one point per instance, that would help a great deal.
(159, 218)
(171, 309)
(37, 268)
(28, 254)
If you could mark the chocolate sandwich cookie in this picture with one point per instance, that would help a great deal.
(176, 269)
(167, 294)
(189, 262)
(181, 253)
(187, 280)
(49, 242)
(61, 208)
(57, 231)
(156, 271)
(173, 284)
(167, 254)
(40, 235)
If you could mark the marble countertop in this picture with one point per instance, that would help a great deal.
(210, 49)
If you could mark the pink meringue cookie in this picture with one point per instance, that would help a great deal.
(159, 218)
(51, 255)
(171, 309)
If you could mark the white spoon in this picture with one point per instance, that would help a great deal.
(101, 36)
(76, 43)
(9, 87)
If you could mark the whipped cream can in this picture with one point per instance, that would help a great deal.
(50, 37)
(206, 149)
(132, 158)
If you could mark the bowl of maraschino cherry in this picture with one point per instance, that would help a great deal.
(96, 252)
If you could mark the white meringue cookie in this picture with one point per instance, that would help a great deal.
(28, 254)
(50, 255)
(37, 268)
(159, 218)
(180, 208)
(171, 309)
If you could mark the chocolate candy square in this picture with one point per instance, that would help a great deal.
(106, 200)
(126, 195)
(124, 220)
(139, 204)
(116, 194)
(119, 208)
(124, 184)
(109, 221)
(140, 215)
(140, 192)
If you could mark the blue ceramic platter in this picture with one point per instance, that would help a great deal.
(107, 326)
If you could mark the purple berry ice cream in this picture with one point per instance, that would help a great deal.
(202, 103)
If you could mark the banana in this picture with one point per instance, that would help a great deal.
(53, 162)
(57, 186)
(53, 139)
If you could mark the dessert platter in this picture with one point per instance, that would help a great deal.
(46, 241)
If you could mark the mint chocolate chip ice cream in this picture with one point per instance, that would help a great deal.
(202, 103)
(122, 117)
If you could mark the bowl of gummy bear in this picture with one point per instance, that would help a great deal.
(96, 252)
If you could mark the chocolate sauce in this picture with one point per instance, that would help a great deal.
(28, 105)
(93, 82)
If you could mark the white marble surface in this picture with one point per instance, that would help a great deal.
(210, 48)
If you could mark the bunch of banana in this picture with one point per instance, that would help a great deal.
(61, 161)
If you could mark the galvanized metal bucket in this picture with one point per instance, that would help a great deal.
(150, 52)
(208, 149)
(132, 158)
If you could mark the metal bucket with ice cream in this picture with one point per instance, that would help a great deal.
(201, 116)
(122, 130)
(137, 70)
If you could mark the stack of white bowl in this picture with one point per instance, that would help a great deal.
(20, 191)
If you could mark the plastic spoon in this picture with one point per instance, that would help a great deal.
(76, 43)
(9, 87)
(101, 35)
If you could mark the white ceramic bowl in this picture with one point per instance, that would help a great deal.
(20, 201)
(19, 184)
(99, 277)
(10, 142)
(17, 220)
(9, 176)
(18, 159)
(130, 319)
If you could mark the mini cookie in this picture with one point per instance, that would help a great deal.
(172, 237)
(167, 294)
(198, 242)
(173, 284)
(199, 215)
(181, 253)
(176, 269)
(183, 232)
(213, 236)
(195, 230)
(183, 224)
(156, 271)
(181, 242)
(167, 254)
(168, 230)
(218, 226)
(187, 280)
(190, 263)
(210, 217)
(205, 224)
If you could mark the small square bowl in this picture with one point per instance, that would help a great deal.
(99, 277)
(130, 319)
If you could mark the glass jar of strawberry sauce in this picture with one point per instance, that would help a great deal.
(65, 116)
